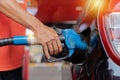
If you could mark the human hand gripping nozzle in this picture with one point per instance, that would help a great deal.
(69, 38)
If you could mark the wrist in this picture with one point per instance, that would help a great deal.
(35, 25)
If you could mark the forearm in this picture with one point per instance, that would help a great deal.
(45, 36)
(14, 11)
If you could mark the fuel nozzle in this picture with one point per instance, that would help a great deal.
(69, 38)
(72, 41)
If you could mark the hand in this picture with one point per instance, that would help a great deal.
(49, 40)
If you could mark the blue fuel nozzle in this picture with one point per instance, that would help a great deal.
(73, 41)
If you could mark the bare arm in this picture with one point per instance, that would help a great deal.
(46, 36)
(13, 10)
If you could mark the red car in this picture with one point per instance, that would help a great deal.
(98, 22)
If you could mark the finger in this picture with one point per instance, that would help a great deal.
(59, 44)
(55, 47)
(45, 49)
(50, 47)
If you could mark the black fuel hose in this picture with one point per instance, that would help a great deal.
(6, 41)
